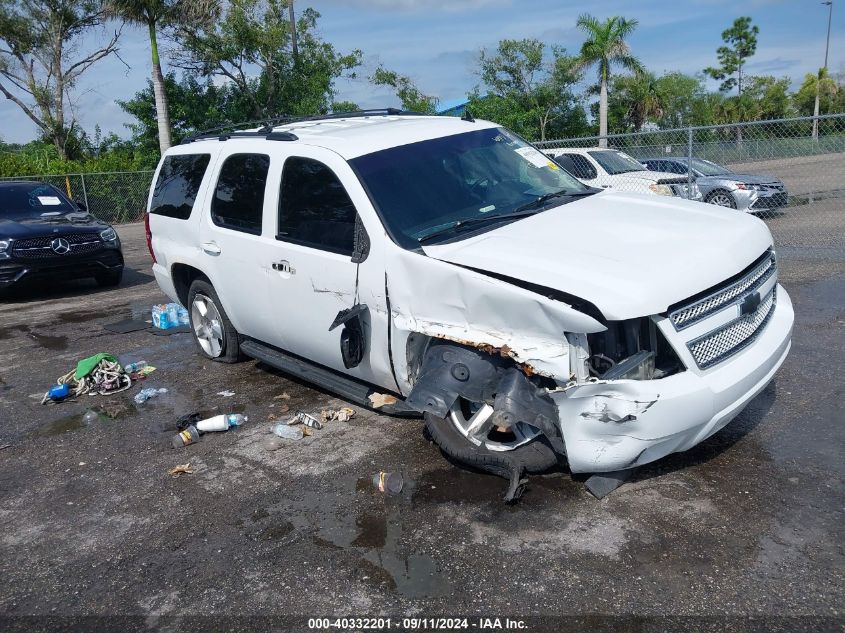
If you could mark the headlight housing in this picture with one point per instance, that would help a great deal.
(745, 186)
(660, 190)
(109, 235)
(4, 247)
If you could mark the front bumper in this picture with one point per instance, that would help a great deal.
(613, 425)
(105, 260)
(760, 200)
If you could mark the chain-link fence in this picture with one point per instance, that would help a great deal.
(789, 172)
(115, 197)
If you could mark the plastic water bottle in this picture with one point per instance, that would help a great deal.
(147, 393)
(131, 368)
(184, 319)
(222, 422)
(288, 432)
(160, 318)
(172, 314)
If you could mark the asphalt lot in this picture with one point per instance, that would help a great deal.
(749, 523)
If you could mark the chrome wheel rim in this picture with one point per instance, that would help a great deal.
(475, 422)
(208, 326)
(722, 200)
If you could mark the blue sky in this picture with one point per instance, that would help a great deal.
(437, 41)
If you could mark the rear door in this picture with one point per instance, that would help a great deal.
(232, 246)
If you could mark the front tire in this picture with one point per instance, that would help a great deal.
(722, 198)
(214, 335)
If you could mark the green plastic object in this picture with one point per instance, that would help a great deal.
(87, 365)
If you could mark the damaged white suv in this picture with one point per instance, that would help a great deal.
(445, 266)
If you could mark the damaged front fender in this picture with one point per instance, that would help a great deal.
(445, 301)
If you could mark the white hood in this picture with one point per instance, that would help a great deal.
(631, 255)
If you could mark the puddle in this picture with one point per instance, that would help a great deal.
(53, 343)
(106, 412)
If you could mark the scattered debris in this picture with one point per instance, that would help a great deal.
(98, 374)
(56, 393)
(300, 417)
(306, 431)
(89, 417)
(288, 432)
(222, 422)
(341, 415)
(226, 393)
(282, 396)
(126, 326)
(5, 446)
(188, 436)
(145, 394)
(183, 422)
(379, 400)
(390, 483)
(181, 469)
(135, 367)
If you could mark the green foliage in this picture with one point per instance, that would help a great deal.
(831, 94)
(528, 93)
(411, 97)
(684, 101)
(740, 44)
(771, 95)
(251, 48)
(634, 100)
(605, 45)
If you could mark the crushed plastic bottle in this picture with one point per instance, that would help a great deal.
(147, 393)
(288, 432)
(131, 368)
(90, 417)
(188, 436)
(390, 483)
(221, 422)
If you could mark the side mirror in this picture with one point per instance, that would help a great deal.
(361, 246)
(80, 205)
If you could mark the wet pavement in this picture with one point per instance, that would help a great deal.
(748, 523)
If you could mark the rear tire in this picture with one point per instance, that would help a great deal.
(214, 334)
(109, 279)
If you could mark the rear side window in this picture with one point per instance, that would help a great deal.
(583, 167)
(239, 197)
(178, 184)
(314, 208)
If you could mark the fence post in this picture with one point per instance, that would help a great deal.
(84, 193)
(689, 161)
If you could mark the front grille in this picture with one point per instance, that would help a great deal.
(39, 247)
(716, 346)
(731, 292)
(776, 201)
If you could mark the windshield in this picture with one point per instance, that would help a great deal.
(706, 168)
(27, 201)
(616, 162)
(420, 187)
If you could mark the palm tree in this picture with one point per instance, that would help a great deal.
(152, 14)
(605, 46)
(641, 96)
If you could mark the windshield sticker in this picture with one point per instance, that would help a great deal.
(49, 201)
(552, 165)
(536, 158)
(487, 209)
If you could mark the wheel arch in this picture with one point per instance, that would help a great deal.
(183, 275)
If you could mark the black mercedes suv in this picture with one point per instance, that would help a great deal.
(45, 235)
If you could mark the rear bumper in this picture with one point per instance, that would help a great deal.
(621, 424)
(107, 260)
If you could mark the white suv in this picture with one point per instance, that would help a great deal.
(613, 169)
(447, 267)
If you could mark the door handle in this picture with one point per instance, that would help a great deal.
(211, 248)
(284, 267)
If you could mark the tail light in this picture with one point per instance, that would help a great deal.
(149, 236)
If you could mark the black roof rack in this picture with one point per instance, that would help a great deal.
(230, 130)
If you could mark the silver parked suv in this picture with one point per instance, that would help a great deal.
(719, 185)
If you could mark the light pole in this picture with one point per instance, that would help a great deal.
(829, 4)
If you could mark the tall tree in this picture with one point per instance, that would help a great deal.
(637, 98)
(251, 47)
(526, 91)
(740, 44)
(830, 94)
(412, 98)
(771, 95)
(41, 62)
(684, 100)
(605, 47)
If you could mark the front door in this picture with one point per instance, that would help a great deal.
(313, 275)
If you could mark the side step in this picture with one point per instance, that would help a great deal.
(330, 380)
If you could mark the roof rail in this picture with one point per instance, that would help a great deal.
(267, 125)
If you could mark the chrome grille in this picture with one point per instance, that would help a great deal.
(716, 346)
(692, 313)
(39, 247)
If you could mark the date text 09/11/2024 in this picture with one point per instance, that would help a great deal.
(411, 624)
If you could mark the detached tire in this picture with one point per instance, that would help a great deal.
(537, 456)
(214, 334)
